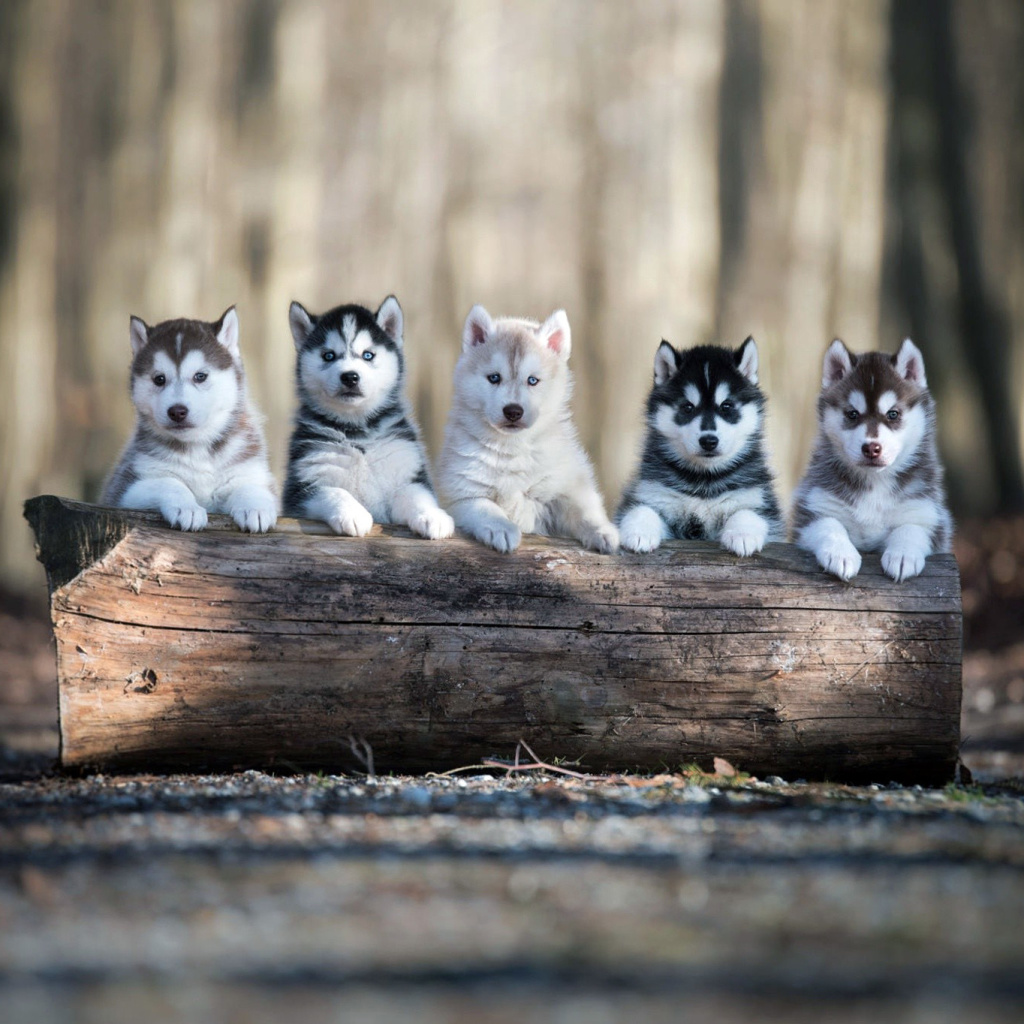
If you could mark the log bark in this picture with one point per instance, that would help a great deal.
(220, 650)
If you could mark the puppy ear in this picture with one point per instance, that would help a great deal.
(746, 360)
(838, 363)
(301, 324)
(139, 334)
(226, 329)
(477, 328)
(556, 334)
(666, 363)
(909, 364)
(390, 319)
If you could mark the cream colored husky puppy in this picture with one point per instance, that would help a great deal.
(511, 462)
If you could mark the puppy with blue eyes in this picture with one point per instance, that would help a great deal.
(511, 462)
(875, 481)
(356, 456)
(703, 474)
(198, 443)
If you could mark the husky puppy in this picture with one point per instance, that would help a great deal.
(511, 461)
(703, 473)
(874, 482)
(198, 445)
(356, 455)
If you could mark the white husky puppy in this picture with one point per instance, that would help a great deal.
(198, 445)
(511, 461)
(874, 482)
(356, 455)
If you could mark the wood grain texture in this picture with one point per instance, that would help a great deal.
(222, 650)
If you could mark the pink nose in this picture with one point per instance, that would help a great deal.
(872, 449)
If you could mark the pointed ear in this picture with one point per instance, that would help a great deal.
(390, 319)
(746, 360)
(477, 328)
(226, 329)
(301, 324)
(909, 364)
(838, 363)
(666, 363)
(556, 334)
(139, 334)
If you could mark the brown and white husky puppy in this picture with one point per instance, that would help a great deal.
(874, 482)
(198, 444)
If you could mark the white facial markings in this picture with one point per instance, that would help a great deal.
(348, 328)
(886, 401)
(858, 401)
(691, 394)
(210, 401)
(177, 345)
(362, 342)
(721, 393)
(684, 438)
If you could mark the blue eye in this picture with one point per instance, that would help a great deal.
(533, 381)
(200, 376)
(893, 415)
(494, 378)
(368, 356)
(329, 356)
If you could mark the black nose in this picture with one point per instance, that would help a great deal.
(513, 413)
(178, 413)
(708, 442)
(872, 449)
(350, 378)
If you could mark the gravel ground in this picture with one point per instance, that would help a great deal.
(253, 897)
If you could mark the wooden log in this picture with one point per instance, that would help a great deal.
(220, 650)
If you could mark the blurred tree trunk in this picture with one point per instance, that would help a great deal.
(951, 302)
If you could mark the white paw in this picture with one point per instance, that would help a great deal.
(902, 563)
(840, 558)
(641, 530)
(604, 539)
(258, 518)
(433, 523)
(501, 537)
(185, 517)
(742, 543)
(350, 519)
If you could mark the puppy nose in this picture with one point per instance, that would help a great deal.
(872, 449)
(708, 442)
(178, 413)
(513, 413)
(350, 378)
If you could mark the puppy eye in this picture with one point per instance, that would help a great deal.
(368, 356)
(688, 407)
(726, 406)
(329, 356)
(159, 380)
(533, 381)
(199, 377)
(494, 378)
(852, 415)
(893, 415)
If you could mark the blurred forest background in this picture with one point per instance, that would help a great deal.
(696, 170)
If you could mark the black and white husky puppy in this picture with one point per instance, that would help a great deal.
(703, 474)
(198, 444)
(874, 482)
(356, 455)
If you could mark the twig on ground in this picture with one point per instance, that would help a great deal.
(363, 753)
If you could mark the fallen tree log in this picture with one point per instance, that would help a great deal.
(220, 650)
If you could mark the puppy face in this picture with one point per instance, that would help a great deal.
(873, 407)
(186, 379)
(349, 359)
(705, 403)
(513, 373)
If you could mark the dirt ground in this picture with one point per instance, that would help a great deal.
(250, 897)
